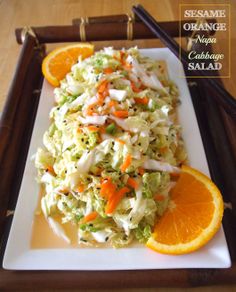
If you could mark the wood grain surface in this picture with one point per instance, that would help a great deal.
(19, 13)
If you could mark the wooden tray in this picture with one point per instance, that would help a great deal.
(217, 131)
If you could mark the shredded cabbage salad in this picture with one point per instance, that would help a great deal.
(111, 150)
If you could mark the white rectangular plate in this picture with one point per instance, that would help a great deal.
(19, 255)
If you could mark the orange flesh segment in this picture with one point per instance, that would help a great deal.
(59, 62)
(186, 211)
(193, 216)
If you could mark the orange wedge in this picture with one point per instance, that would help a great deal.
(193, 216)
(59, 62)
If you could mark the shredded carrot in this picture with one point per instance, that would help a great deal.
(99, 139)
(100, 99)
(122, 57)
(79, 130)
(103, 86)
(134, 88)
(90, 217)
(122, 54)
(122, 60)
(142, 87)
(93, 129)
(141, 170)
(64, 190)
(105, 112)
(121, 114)
(132, 183)
(120, 141)
(114, 201)
(108, 70)
(102, 91)
(102, 129)
(159, 197)
(141, 100)
(90, 109)
(102, 96)
(50, 169)
(81, 188)
(127, 65)
(108, 188)
(112, 103)
(126, 163)
(116, 58)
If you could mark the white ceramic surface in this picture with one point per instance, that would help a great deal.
(19, 255)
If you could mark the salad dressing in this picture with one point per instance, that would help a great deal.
(43, 236)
